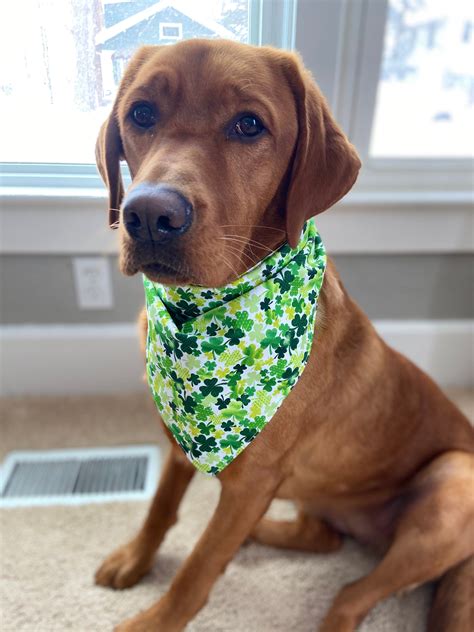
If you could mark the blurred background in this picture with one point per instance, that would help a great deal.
(399, 77)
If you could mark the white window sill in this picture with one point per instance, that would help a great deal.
(41, 220)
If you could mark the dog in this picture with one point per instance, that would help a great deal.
(231, 149)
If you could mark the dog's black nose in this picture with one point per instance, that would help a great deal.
(156, 213)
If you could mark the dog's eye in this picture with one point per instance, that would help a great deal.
(248, 126)
(143, 115)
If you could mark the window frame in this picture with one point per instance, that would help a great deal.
(354, 31)
(178, 25)
(269, 24)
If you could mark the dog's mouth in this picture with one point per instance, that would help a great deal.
(162, 273)
(165, 266)
(176, 266)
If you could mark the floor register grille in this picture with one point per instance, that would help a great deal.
(53, 477)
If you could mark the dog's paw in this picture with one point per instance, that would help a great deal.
(124, 567)
(136, 625)
(338, 622)
(158, 618)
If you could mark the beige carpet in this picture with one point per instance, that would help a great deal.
(49, 554)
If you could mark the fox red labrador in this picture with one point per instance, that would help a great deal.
(232, 148)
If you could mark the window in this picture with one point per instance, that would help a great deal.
(425, 97)
(64, 70)
(171, 31)
(397, 73)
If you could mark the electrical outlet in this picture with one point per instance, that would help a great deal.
(93, 282)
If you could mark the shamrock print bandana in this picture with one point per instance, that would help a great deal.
(220, 361)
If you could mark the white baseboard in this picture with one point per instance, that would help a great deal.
(70, 359)
(76, 359)
(442, 348)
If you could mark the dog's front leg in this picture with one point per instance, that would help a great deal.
(242, 502)
(127, 565)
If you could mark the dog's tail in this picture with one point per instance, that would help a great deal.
(453, 604)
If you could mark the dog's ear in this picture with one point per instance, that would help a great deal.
(325, 164)
(109, 148)
(108, 152)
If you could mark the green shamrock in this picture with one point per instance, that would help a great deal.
(231, 441)
(186, 295)
(212, 329)
(251, 353)
(234, 336)
(271, 339)
(259, 422)
(211, 387)
(178, 381)
(234, 411)
(300, 323)
(285, 280)
(203, 412)
(233, 379)
(188, 344)
(189, 404)
(246, 396)
(194, 379)
(248, 433)
(292, 339)
(206, 428)
(269, 384)
(244, 321)
(206, 444)
(215, 345)
(291, 374)
(175, 430)
(222, 402)
(278, 368)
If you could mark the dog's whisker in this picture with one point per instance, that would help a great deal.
(256, 257)
(252, 242)
(252, 226)
(229, 265)
(238, 243)
(241, 253)
(249, 263)
(246, 240)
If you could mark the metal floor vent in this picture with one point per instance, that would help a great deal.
(74, 477)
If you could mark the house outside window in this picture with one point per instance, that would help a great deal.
(171, 31)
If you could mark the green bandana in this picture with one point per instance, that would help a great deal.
(220, 361)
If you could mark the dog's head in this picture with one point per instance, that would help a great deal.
(230, 147)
